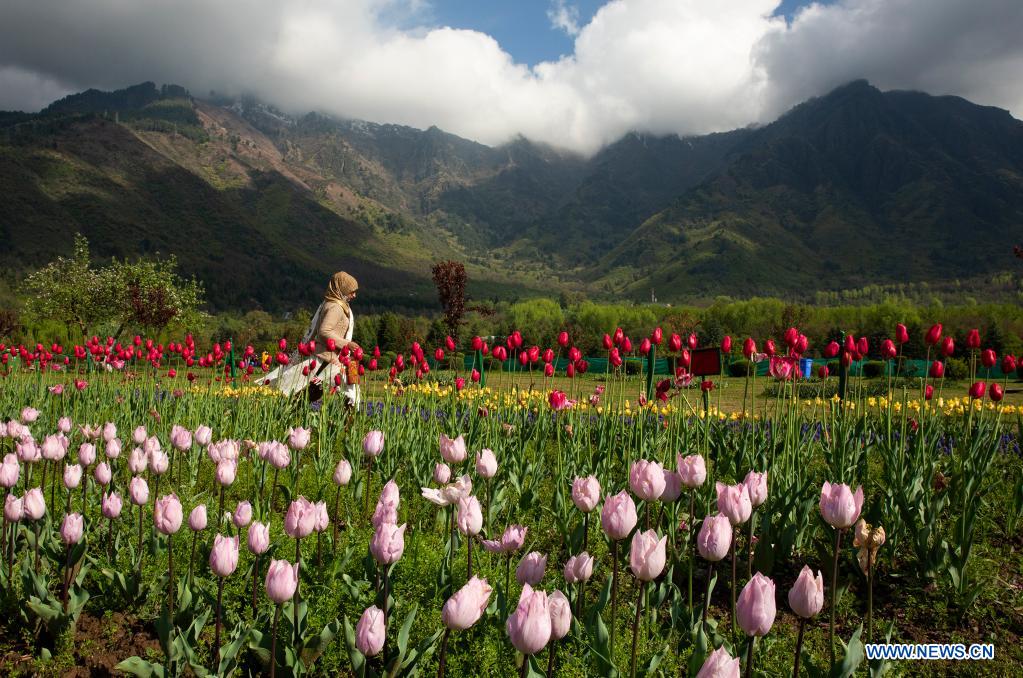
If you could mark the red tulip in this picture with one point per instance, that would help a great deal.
(581, 366)
(399, 362)
(685, 359)
(769, 347)
(988, 358)
(548, 370)
(607, 342)
(657, 336)
(846, 359)
(977, 389)
(619, 336)
(449, 342)
(749, 347)
(459, 383)
(1008, 364)
(862, 346)
(517, 337)
(901, 333)
(822, 372)
(928, 392)
(937, 370)
(524, 358)
(376, 351)
(948, 346)
(615, 357)
(475, 376)
(574, 354)
(570, 370)
(477, 343)
(548, 355)
(331, 344)
(282, 344)
(726, 344)
(282, 358)
(706, 385)
(996, 392)
(888, 350)
(933, 335)
(563, 339)
(438, 354)
(791, 335)
(691, 341)
(372, 364)
(644, 346)
(675, 343)
(850, 343)
(534, 353)
(973, 340)
(802, 343)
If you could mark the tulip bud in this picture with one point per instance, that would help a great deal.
(373, 443)
(586, 493)
(618, 516)
(167, 514)
(988, 358)
(693, 470)
(224, 555)
(806, 597)
(840, 507)
(486, 463)
(71, 529)
(441, 474)
(561, 615)
(646, 479)
(258, 538)
(343, 473)
(996, 392)
(948, 346)
(734, 502)
(933, 335)
(977, 390)
(648, 555)
(197, 519)
(973, 340)
(715, 537)
(111, 505)
(529, 627)
(138, 490)
(901, 333)
(719, 664)
(937, 370)
(281, 581)
(242, 514)
(755, 607)
(467, 605)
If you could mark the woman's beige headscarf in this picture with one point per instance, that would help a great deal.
(340, 286)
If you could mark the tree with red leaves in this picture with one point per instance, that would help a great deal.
(450, 278)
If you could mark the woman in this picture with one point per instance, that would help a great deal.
(332, 320)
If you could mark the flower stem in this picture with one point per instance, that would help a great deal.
(216, 638)
(273, 641)
(799, 647)
(733, 584)
(749, 657)
(635, 628)
(834, 595)
(614, 597)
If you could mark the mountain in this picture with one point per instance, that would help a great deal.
(852, 188)
(856, 187)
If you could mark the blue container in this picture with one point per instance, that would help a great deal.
(806, 366)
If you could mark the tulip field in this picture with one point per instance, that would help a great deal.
(168, 514)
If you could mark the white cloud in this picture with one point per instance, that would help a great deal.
(683, 66)
(564, 17)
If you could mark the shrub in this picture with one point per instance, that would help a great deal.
(633, 367)
(740, 368)
(956, 369)
(873, 369)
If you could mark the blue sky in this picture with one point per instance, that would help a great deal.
(522, 27)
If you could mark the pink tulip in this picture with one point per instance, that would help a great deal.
(139, 435)
(109, 431)
(561, 615)
(453, 451)
(197, 518)
(466, 606)
(72, 476)
(151, 446)
(756, 485)
(159, 462)
(369, 632)
(113, 449)
(167, 514)
(586, 493)
(226, 472)
(298, 438)
(28, 451)
(343, 473)
(806, 597)
(734, 502)
(111, 505)
(86, 454)
(52, 448)
(29, 415)
(618, 516)
(300, 519)
(529, 627)
(720, 664)
(281, 581)
(755, 608)
(14, 508)
(137, 461)
(373, 444)
(71, 529)
(692, 469)
(672, 486)
(512, 539)
(470, 516)
(486, 463)
(646, 478)
(181, 438)
(138, 490)
(715, 537)
(579, 568)
(531, 569)
(33, 504)
(10, 471)
(224, 555)
(648, 555)
(839, 506)
(388, 543)
(258, 538)
(441, 473)
(242, 514)
(203, 435)
(102, 473)
(322, 516)
(387, 506)
(64, 425)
